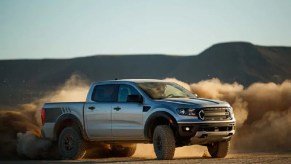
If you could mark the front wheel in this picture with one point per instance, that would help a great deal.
(71, 144)
(164, 142)
(218, 149)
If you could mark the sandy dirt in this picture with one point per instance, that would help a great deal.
(281, 158)
(231, 158)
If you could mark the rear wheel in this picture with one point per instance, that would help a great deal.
(218, 149)
(71, 144)
(164, 142)
(123, 150)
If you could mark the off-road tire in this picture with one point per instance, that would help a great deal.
(218, 149)
(164, 142)
(71, 144)
(123, 150)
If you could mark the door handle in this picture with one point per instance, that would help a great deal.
(92, 107)
(117, 108)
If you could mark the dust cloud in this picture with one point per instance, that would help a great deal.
(13, 121)
(20, 126)
(31, 146)
(262, 110)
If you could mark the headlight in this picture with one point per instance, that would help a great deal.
(186, 111)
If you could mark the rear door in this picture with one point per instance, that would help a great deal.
(98, 112)
(127, 117)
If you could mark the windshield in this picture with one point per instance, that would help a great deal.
(161, 90)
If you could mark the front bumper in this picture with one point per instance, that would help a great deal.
(204, 133)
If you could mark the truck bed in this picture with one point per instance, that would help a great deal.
(52, 112)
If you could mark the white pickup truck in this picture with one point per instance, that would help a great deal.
(122, 113)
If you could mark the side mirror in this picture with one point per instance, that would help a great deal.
(135, 98)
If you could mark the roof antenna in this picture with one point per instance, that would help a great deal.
(116, 79)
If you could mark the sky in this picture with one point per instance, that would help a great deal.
(37, 29)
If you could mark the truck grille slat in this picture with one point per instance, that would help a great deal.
(214, 114)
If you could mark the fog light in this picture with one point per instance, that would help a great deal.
(187, 128)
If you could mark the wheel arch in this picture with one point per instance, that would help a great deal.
(159, 118)
(67, 120)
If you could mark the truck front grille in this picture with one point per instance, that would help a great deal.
(214, 114)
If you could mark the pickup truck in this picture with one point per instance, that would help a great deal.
(122, 113)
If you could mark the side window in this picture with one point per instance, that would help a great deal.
(124, 91)
(104, 93)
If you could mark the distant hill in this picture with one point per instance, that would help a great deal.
(23, 80)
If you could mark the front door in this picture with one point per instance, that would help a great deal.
(127, 117)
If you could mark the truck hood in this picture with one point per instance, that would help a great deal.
(197, 102)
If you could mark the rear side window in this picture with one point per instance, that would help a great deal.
(104, 93)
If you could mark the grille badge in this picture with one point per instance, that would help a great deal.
(201, 114)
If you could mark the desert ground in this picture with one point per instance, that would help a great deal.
(188, 154)
(282, 158)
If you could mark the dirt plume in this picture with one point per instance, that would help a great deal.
(32, 146)
(20, 126)
(14, 121)
(267, 127)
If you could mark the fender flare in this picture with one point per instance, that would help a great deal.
(65, 117)
(153, 117)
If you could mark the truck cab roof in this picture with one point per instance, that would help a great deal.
(128, 81)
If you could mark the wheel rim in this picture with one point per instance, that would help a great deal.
(68, 142)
